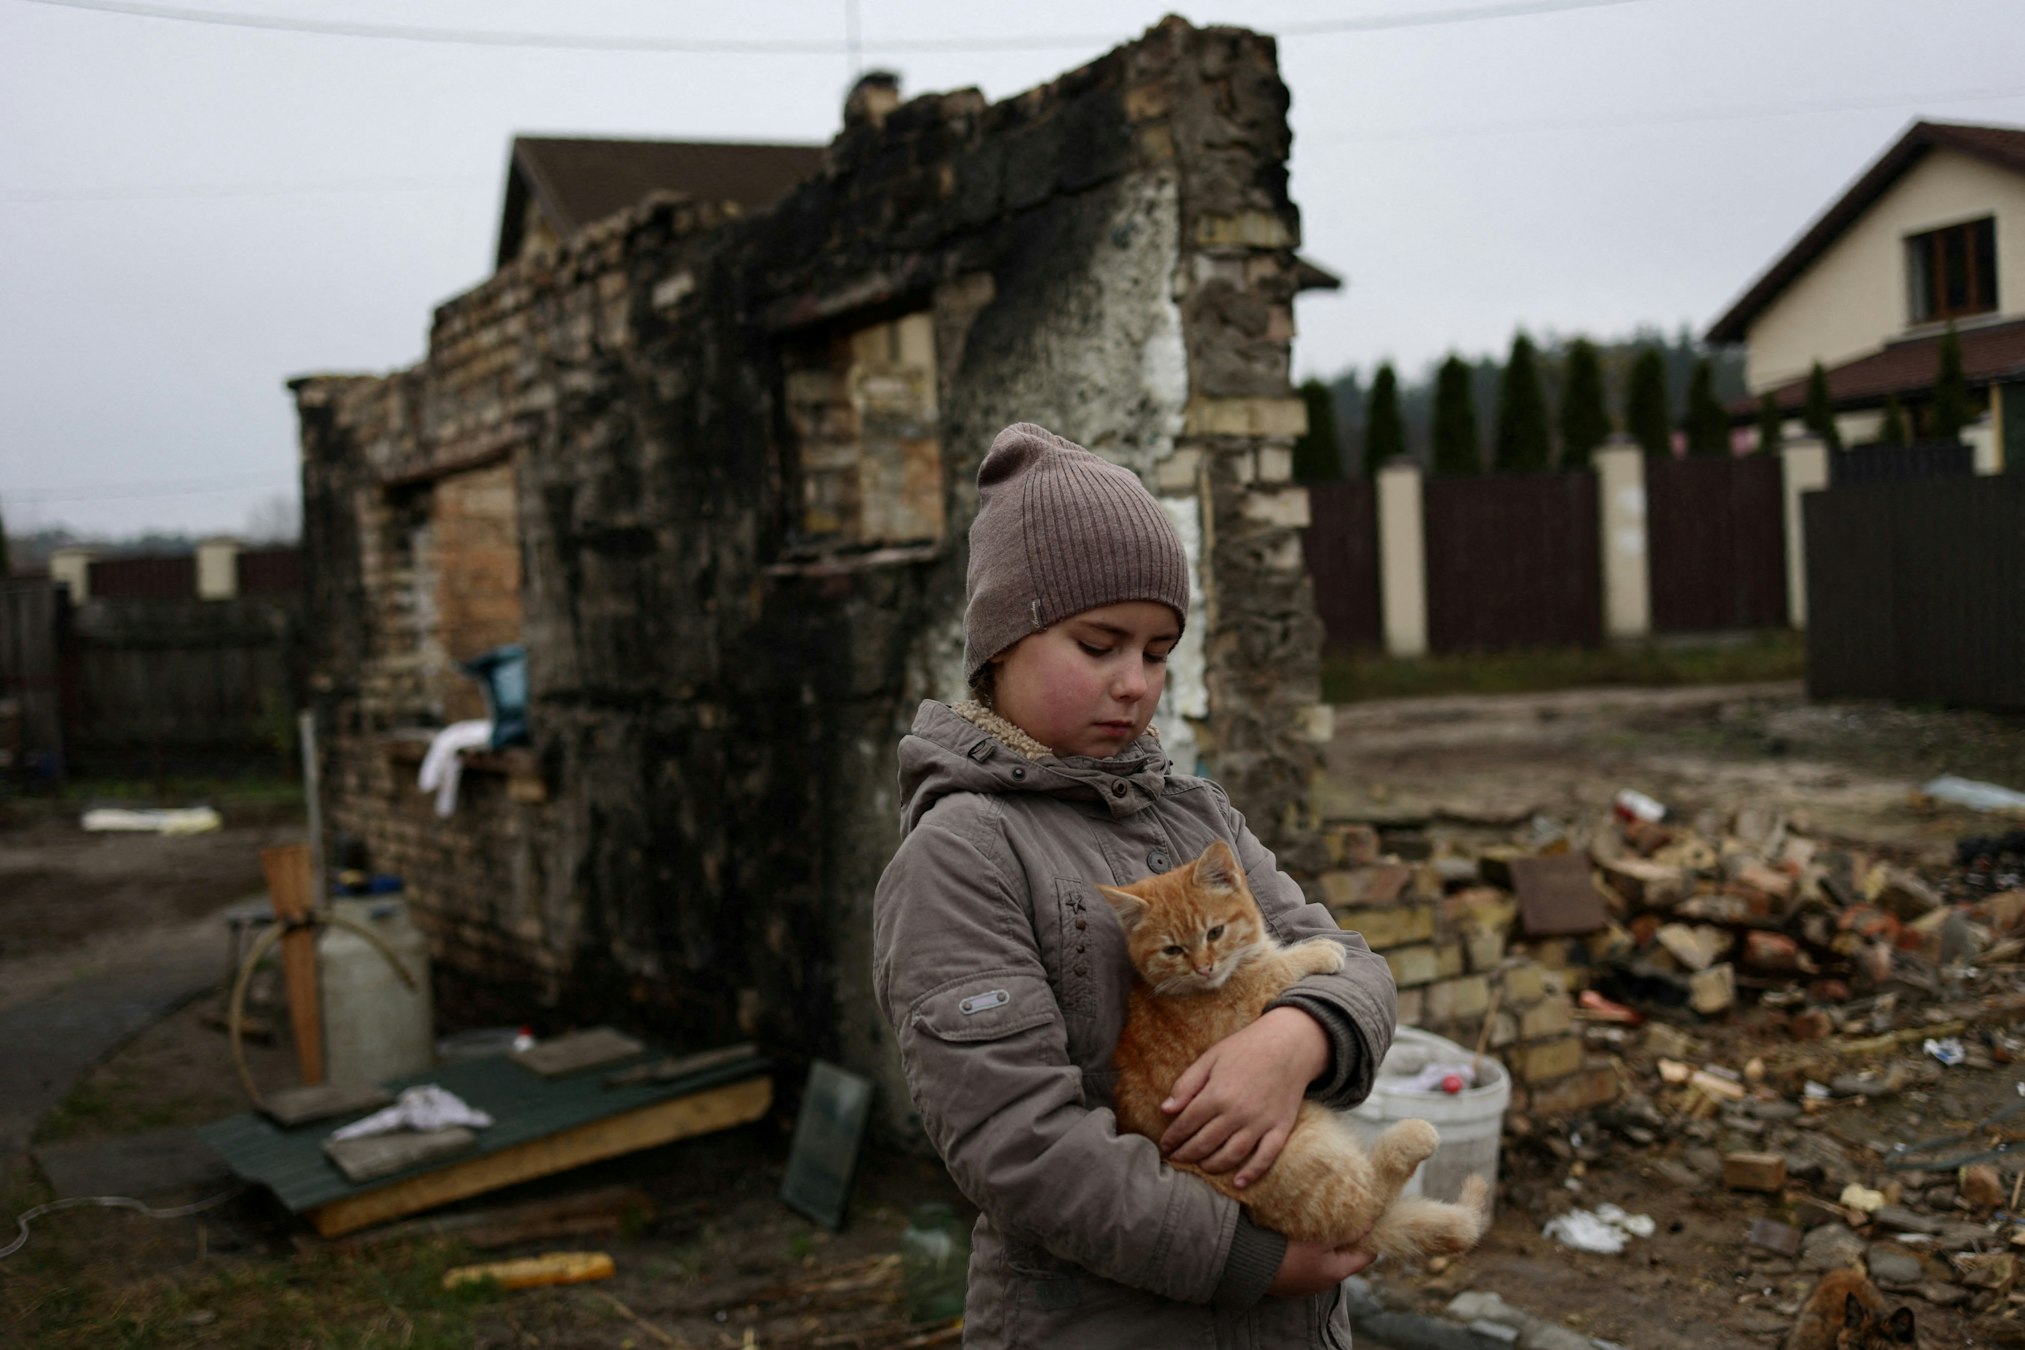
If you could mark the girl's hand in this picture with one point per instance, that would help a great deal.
(1234, 1107)
(1308, 1269)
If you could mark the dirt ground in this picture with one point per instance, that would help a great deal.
(722, 1263)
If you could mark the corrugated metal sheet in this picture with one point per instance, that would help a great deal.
(524, 1107)
(1900, 463)
(1341, 546)
(1513, 561)
(1716, 543)
(1916, 592)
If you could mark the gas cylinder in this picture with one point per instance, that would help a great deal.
(375, 1027)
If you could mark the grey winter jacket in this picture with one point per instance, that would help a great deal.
(1004, 976)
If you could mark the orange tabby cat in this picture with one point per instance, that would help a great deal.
(1208, 967)
(1845, 1312)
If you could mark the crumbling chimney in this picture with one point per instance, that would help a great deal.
(876, 93)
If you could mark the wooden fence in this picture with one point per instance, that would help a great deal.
(1715, 543)
(1916, 591)
(145, 680)
(1341, 546)
(1512, 561)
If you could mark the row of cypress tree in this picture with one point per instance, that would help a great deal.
(1525, 435)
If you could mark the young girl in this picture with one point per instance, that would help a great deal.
(1004, 973)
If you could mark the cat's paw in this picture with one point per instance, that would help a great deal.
(1321, 956)
(1413, 1140)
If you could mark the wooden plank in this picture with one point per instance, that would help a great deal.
(321, 1101)
(660, 1123)
(382, 1155)
(292, 888)
(578, 1051)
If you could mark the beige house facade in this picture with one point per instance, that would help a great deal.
(1931, 235)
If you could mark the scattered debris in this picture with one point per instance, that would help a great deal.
(174, 820)
(530, 1272)
(1603, 1230)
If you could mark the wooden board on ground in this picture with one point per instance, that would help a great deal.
(578, 1051)
(543, 1126)
(381, 1155)
(605, 1209)
(323, 1101)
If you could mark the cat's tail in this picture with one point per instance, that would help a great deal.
(1415, 1226)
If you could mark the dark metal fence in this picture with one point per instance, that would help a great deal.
(1513, 561)
(1916, 591)
(1341, 545)
(1900, 463)
(1716, 543)
(173, 578)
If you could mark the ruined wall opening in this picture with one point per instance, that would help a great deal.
(864, 461)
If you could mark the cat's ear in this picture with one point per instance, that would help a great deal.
(1217, 869)
(1854, 1314)
(1899, 1326)
(1129, 908)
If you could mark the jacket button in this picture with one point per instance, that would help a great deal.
(1157, 860)
(1118, 789)
(1082, 923)
(1019, 772)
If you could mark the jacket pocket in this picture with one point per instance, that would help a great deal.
(984, 1007)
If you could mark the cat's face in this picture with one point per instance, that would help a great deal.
(1188, 929)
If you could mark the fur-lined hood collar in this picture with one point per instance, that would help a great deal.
(969, 748)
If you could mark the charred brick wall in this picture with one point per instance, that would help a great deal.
(716, 473)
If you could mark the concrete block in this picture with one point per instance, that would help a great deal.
(1549, 1017)
(1388, 926)
(1466, 998)
(1276, 464)
(1179, 472)
(1543, 1061)
(1245, 229)
(1525, 985)
(1594, 1084)
(1287, 507)
(1281, 418)
(1412, 1007)
(1412, 965)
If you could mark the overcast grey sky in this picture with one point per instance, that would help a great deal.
(191, 212)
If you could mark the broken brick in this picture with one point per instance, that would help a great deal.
(1755, 1172)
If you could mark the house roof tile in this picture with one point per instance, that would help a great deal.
(578, 180)
(1989, 355)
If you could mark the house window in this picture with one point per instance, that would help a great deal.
(1953, 272)
(868, 452)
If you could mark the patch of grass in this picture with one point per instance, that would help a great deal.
(1775, 655)
(96, 1109)
(355, 1300)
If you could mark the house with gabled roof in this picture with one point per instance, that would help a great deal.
(556, 185)
(1931, 235)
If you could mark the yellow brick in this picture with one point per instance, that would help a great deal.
(1392, 925)
(1412, 965)
(1285, 418)
(1245, 229)
(1544, 1060)
(1550, 1017)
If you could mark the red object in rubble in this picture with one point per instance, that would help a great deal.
(1601, 1009)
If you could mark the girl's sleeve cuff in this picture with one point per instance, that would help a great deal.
(1255, 1256)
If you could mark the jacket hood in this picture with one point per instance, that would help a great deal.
(968, 748)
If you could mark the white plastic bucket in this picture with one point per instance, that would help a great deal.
(1469, 1122)
(375, 1025)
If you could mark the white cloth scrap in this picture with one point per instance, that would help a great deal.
(442, 765)
(1604, 1229)
(181, 820)
(423, 1108)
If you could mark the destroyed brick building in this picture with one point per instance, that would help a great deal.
(713, 468)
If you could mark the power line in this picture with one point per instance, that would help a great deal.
(106, 492)
(597, 42)
(1590, 123)
(147, 191)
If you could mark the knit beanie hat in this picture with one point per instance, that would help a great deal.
(1058, 531)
